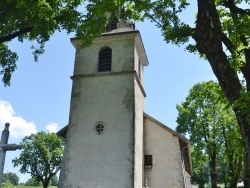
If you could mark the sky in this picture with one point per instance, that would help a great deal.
(39, 96)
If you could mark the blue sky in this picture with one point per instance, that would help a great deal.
(39, 96)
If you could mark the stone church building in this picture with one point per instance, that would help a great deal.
(110, 141)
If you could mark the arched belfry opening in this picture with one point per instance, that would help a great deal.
(105, 59)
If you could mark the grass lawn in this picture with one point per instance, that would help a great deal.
(22, 186)
(32, 187)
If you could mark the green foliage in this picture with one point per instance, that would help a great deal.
(220, 33)
(7, 62)
(35, 21)
(198, 115)
(28, 186)
(7, 185)
(215, 137)
(98, 13)
(38, 20)
(41, 156)
(11, 177)
(166, 15)
(54, 181)
(200, 168)
(32, 182)
(243, 103)
(32, 186)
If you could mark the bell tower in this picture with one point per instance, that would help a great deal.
(104, 140)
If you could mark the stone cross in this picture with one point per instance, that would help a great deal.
(4, 146)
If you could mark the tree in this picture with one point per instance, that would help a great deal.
(234, 154)
(220, 34)
(38, 20)
(11, 177)
(54, 181)
(32, 182)
(35, 21)
(208, 119)
(41, 156)
(200, 168)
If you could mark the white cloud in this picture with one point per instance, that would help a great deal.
(19, 127)
(52, 127)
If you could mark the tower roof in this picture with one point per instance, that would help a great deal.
(122, 30)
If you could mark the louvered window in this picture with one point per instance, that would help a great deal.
(113, 25)
(105, 58)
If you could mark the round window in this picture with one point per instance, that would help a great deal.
(99, 128)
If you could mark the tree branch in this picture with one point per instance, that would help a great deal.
(227, 42)
(214, 16)
(153, 19)
(246, 68)
(234, 9)
(15, 34)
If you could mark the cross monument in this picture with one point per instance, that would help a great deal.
(4, 146)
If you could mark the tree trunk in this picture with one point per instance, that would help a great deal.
(234, 169)
(245, 129)
(208, 37)
(233, 183)
(212, 164)
(234, 175)
(202, 185)
(235, 159)
(45, 184)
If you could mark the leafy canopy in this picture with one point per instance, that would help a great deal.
(208, 119)
(32, 182)
(11, 177)
(35, 21)
(220, 33)
(38, 20)
(41, 156)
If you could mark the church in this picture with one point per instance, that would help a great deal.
(110, 141)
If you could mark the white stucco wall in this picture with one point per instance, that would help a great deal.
(100, 160)
(166, 170)
(139, 109)
(113, 158)
(122, 46)
(138, 66)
